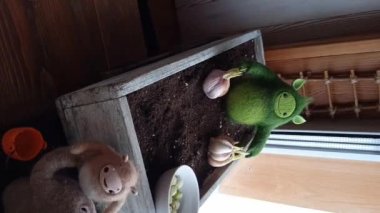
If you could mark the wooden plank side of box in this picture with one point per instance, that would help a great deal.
(110, 122)
(136, 79)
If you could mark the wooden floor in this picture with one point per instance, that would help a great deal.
(324, 184)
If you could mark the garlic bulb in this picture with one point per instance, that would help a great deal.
(216, 163)
(219, 157)
(221, 151)
(221, 145)
(217, 83)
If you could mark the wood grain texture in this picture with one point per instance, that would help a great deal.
(73, 47)
(111, 123)
(121, 31)
(165, 24)
(331, 185)
(20, 65)
(338, 57)
(338, 64)
(324, 50)
(50, 47)
(85, 39)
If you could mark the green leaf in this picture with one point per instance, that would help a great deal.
(298, 119)
(298, 83)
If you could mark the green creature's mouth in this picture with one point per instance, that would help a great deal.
(285, 105)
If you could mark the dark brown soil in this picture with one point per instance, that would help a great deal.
(174, 119)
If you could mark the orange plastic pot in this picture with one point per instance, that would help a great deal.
(23, 143)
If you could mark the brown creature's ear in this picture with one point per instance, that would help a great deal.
(81, 148)
(125, 158)
(134, 191)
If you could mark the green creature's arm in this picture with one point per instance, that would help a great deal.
(259, 71)
(259, 141)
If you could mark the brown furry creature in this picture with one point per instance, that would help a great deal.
(105, 175)
(46, 191)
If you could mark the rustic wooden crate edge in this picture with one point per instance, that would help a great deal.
(101, 111)
(131, 81)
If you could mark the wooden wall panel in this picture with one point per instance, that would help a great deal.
(165, 24)
(51, 47)
(324, 184)
(121, 31)
(20, 64)
(85, 39)
(73, 47)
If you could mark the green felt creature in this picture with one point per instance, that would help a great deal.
(260, 98)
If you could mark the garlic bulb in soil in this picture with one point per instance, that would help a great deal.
(221, 151)
(217, 83)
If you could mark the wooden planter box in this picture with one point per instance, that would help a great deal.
(101, 111)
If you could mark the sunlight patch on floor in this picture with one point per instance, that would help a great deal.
(219, 202)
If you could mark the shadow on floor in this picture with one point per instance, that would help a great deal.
(50, 127)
